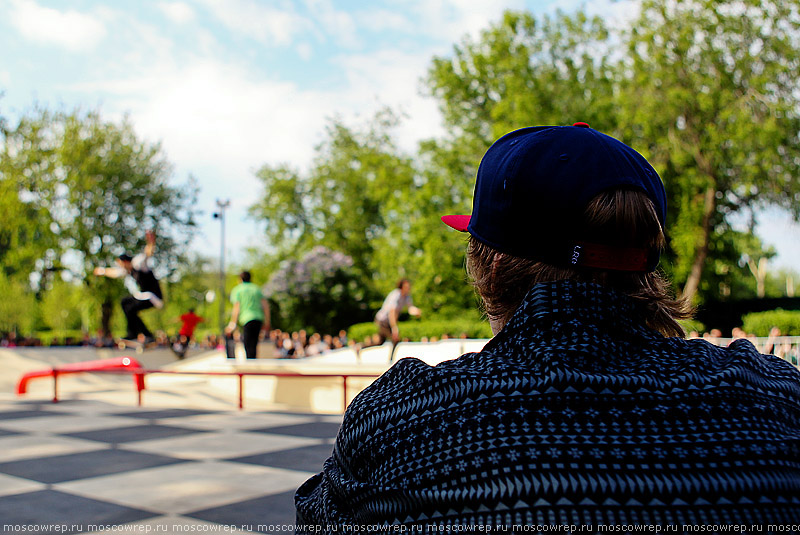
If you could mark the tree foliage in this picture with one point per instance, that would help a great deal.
(17, 306)
(524, 69)
(710, 91)
(85, 189)
(707, 90)
(352, 192)
(320, 291)
(63, 304)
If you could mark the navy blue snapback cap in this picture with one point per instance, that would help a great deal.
(534, 184)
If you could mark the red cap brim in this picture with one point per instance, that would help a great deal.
(458, 222)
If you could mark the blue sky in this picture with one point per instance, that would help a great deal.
(229, 85)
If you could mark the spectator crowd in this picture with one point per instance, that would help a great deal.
(299, 344)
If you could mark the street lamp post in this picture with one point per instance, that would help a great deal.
(220, 214)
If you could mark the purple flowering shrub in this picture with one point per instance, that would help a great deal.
(320, 292)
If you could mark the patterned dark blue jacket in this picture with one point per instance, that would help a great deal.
(576, 413)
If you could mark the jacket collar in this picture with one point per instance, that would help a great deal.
(550, 306)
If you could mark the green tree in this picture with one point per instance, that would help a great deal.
(711, 94)
(707, 90)
(62, 305)
(27, 184)
(520, 71)
(418, 246)
(92, 187)
(525, 70)
(366, 199)
(17, 306)
(319, 291)
(353, 192)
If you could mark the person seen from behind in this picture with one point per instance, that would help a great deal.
(251, 311)
(588, 406)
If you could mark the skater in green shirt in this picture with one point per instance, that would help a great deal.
(251, 311)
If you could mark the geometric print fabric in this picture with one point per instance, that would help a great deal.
(576, 413)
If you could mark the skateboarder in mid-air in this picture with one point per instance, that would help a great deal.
(146, 296)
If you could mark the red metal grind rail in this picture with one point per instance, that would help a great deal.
(117, 363)
(139, 374)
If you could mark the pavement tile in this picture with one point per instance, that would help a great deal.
(208, 445)
(241, 421)
(301, 458)
(61, 468)
(309, 430)
(335, 418)
(17, 447)
(17, 404)
(22, 414)
(161, 414)
(87, 406)
(268, 514)
(65, 423)
(191, 486)
(74, 514)
(18, 485)
(122, 435)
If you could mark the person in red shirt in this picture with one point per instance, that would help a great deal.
(188, 323)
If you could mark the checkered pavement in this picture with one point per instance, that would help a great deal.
(87, 466)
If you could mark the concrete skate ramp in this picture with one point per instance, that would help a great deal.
(17, 361)
(324, 394)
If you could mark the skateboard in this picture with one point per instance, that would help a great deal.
(179, 348)
(136, 345)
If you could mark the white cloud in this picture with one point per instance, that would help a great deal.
(377, 20)
(220, 118)
(450, 20)
(70, 29)
(221, 121)
(305, 51)
(340, 25)
(177, 12)
(391, 77)
(617, 14)
(263, 23)
(777, 228)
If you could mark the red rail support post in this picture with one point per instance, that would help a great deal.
(55, 385)
(139, 376)
(241, 391)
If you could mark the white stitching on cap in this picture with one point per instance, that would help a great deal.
(576, 254)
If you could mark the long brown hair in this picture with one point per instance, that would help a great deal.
(622, 218)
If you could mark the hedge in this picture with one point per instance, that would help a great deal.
(415, 330)
(760, 323)
(692, 325)
(58, 337)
